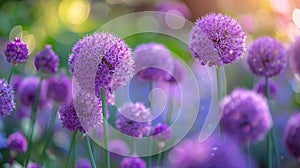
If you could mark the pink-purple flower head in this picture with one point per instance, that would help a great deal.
(292, 135)
(46, 61)
(133, 162)
(174, 7)
(162, 132)
(267, 57)
(179, 72)
(60, 88)
(16, 52)
(134, 120)
(294, 56)
(246, 116)
(17, 142)
(7, 102)
(153, 62)
(261, 88)
(216, 40)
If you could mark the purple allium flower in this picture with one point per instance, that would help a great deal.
(134, 120)
(153, 62)
(46, 60)
(267, 57)
(28, 89)
(294, 56)
(261, 88)
(7, 102)
(34, 165)
(174, 7)
(60, 88)
(16, 52)
(119, 147)
(246, 116)
(217, 40)
(17, 142)
(213, 153)
(292, 135)
(69, 117)
(162, 132)
(83, 163)
(112, 55)
(133, 162)
(178, 72)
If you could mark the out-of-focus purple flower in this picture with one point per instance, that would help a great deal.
(217, 39)
(267, 57)
(292, 135)
(34, 165)
(60, 88)
(213, 153)
(83, 163)
(162, 132)
(153, 62)
(261, 88)
(119, 147)
(133, 162)
(46, 60)
(134, 120)
(28, 89)
(16, 52)
(174, 7)
(69, 117)
(178, 72)
(246, 116)
(16, 80)
(7, 102)
(17, 142)
(294, 56)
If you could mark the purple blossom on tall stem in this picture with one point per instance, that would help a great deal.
(16, 52)
(59, 88)
(292, 136)
(7, 102)
(46, 60)
(133, 162)
(17, 142)
(260, 88)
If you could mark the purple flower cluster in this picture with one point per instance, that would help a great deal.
(261, 88)
(133, 162)
(60, 88)
(7, 102)
(246, 116)
(46, 61)
(83, 163)
(134, 120)
(17, 142)
(162, 132)
(217, 40)
(267, 57)
(294, 56)
(292, 135)
(16, 52)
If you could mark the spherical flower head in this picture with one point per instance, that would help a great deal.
(153, 62)
(174, 7)
(162, 132)
(292, 135)
(46, 61)
(133, 162)
(179, 72)
(60, 88)
(217, 39)
(34, 165)
(7, 102)
(83, 163)
(134, 120)
(17, 142)
(16, 52)
(294, 56)
(261, 88)
(246, 116)
(69, 117)
(267, 57)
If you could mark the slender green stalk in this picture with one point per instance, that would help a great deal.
(159, 158)
(33, 118)
(107, 156)
(269, 151)
(88, 147)
(70, 148)
(171, 108)
(75, 152)
(149, 159)
(49, 132)
(10, 73)
(133, 145)
(219, 82)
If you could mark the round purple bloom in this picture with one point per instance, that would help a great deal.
(60, 88)
(17, 142)
(217, 39)
(83, 163)
(7, 103)
(267, 57)
(294, 56)
(261, 88)
(46, 60)
(16, 52)
(174, 7)
(133, 162)
(178, 72)
(34, 165)
(162, 132)
(153, 62)
(246, 116)
(134, 120)
(292, 135)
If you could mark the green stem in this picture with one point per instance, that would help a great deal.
(133, 145)
(88, 147)
(33, 119)
(70, 148)
(248, 155)
(219, 82)
(269, 150)
(107, 156)
(149, 159)
(10, 73)
(170, 112)
(49, 132)
(75, 152)
(159, 158)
